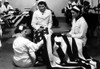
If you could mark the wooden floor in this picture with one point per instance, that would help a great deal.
(6, 51)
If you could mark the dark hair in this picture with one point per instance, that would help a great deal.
(6, 2)
(20, 28)
(42, 3)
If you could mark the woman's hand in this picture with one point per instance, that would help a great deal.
(40, 29)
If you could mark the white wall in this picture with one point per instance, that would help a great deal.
(55, 5)
(21, 4)
(93, 3)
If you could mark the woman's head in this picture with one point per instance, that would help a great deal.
(6, 2)
(22, 29)
(76, 11)
(42, 6)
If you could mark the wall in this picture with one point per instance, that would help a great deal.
(55, 5)
(22, 4)
(93, 3)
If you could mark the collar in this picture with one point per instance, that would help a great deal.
(43, 12)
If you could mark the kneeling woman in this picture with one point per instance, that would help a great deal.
(24, 49)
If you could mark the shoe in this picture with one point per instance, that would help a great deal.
(38, 63)
(63, 63)
(82, 61)
(67, 64)
(78, 60)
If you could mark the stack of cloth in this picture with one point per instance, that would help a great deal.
(16, 18)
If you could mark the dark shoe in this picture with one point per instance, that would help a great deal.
(82, 61)
(63, 63)
(38, 63)
(78, 60)
(68, 64)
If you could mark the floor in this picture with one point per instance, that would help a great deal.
(6, 52)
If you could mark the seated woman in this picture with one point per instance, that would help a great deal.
(9, 8)
(78, 30)
(24, 49)
(41, 24)
(72, 43)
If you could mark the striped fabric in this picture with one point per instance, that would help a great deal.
(51, 59)
(37, 36)
(15, 19)
(80, 64)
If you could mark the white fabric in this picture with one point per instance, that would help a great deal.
(79, 29)
(76, 8)
(57, 39)
(54, 58)
(41, 0)
(0, 36)
(74, 3)
(20, 27)
(93, 63)
(22, 47)
(64, 48)
(0, 44)
(42, 19)
(2, 8)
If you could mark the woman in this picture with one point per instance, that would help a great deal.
(24, 49)
(72, 44)
(9, 8)
(41, 23)
(78, 30)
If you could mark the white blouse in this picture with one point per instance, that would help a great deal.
(79, 29)
(2, 8)
(22, 48)
(42, 19)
